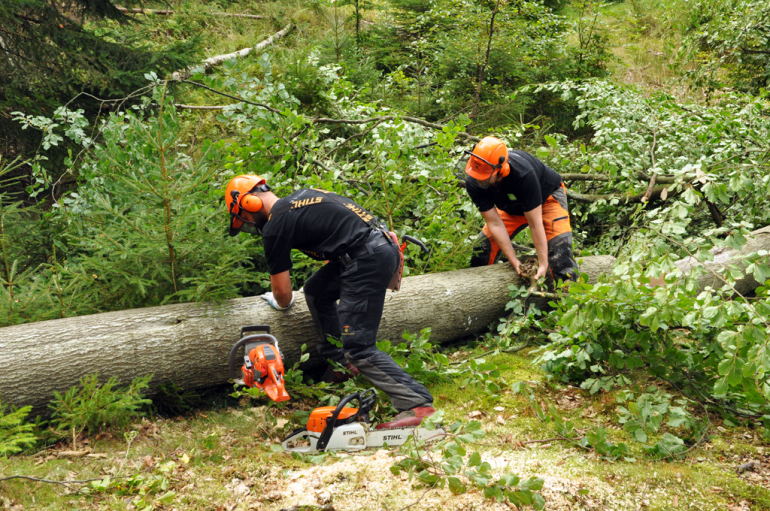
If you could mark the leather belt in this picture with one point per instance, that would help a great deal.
(366, 248)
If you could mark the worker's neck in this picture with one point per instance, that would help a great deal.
(268, 199)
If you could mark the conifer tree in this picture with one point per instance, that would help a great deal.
(49, 52)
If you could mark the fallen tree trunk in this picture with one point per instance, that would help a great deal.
(218, 59)
(759, 240)
(189, 343)
(165, 12)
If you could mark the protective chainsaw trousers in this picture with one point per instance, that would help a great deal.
(360, 285)
(558, 232)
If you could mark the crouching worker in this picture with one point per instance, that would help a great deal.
(361, 261)
(513, 190)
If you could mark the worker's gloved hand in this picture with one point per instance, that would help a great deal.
(274, 304)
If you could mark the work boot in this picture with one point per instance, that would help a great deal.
(408, 418)
(332, 376)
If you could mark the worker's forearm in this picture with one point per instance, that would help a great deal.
(537, 232)
(502, 239)
(283, 299)
(541, 246)
(280, 285)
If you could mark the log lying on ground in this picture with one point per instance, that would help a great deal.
(165, 12)
(219, 59)
(190, 343)
(759, 240)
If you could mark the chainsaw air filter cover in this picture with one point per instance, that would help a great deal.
(317, 420)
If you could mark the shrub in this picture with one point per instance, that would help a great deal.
(92, 407)
(15, 435)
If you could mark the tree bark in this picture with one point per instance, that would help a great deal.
(218, 59)
(190, 343)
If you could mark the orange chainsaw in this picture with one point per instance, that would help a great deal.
(262, 362)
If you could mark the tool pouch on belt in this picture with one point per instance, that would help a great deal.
(395, 281)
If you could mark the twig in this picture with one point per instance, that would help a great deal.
(63, 483)
(261, 105)
(486, 60)
(197, 107)
(417, 501)
(546, 440)
(131, 436)
(654, 177)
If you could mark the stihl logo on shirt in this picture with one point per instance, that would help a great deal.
(296, 204)
(362, 214)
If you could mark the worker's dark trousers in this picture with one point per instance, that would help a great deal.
(360, 286)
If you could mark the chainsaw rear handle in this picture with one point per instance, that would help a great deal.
(412, 239)
(255, 328)
(366, 400)
(265, 338)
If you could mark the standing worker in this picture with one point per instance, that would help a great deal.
(513, 190)
(362, 259)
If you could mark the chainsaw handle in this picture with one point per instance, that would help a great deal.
(255, 328)
(267, 338)
(365, 402)
(412, 239)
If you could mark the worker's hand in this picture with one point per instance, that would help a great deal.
(274, 304)
(516, 264)
(541, 271)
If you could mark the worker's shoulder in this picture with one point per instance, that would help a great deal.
(522, 161)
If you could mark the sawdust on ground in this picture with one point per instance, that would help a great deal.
(364, 481)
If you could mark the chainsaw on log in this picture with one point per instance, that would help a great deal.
(262, 362)
(336, 428)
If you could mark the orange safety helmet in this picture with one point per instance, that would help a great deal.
(239, 195)
(488, 155)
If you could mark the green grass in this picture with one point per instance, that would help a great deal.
(217, 453)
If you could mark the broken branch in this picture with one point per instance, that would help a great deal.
(218, 59)
(165, 12)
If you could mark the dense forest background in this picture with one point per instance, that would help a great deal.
(112, 178)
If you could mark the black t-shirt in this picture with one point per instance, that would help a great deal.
(310, 221)
(526, 187)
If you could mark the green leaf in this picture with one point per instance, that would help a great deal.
(474, 460)
(455, 485)
(538, 502)
(167, 498)
(533, 484)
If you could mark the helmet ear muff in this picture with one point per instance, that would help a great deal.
(505, 168)
(251, 203)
